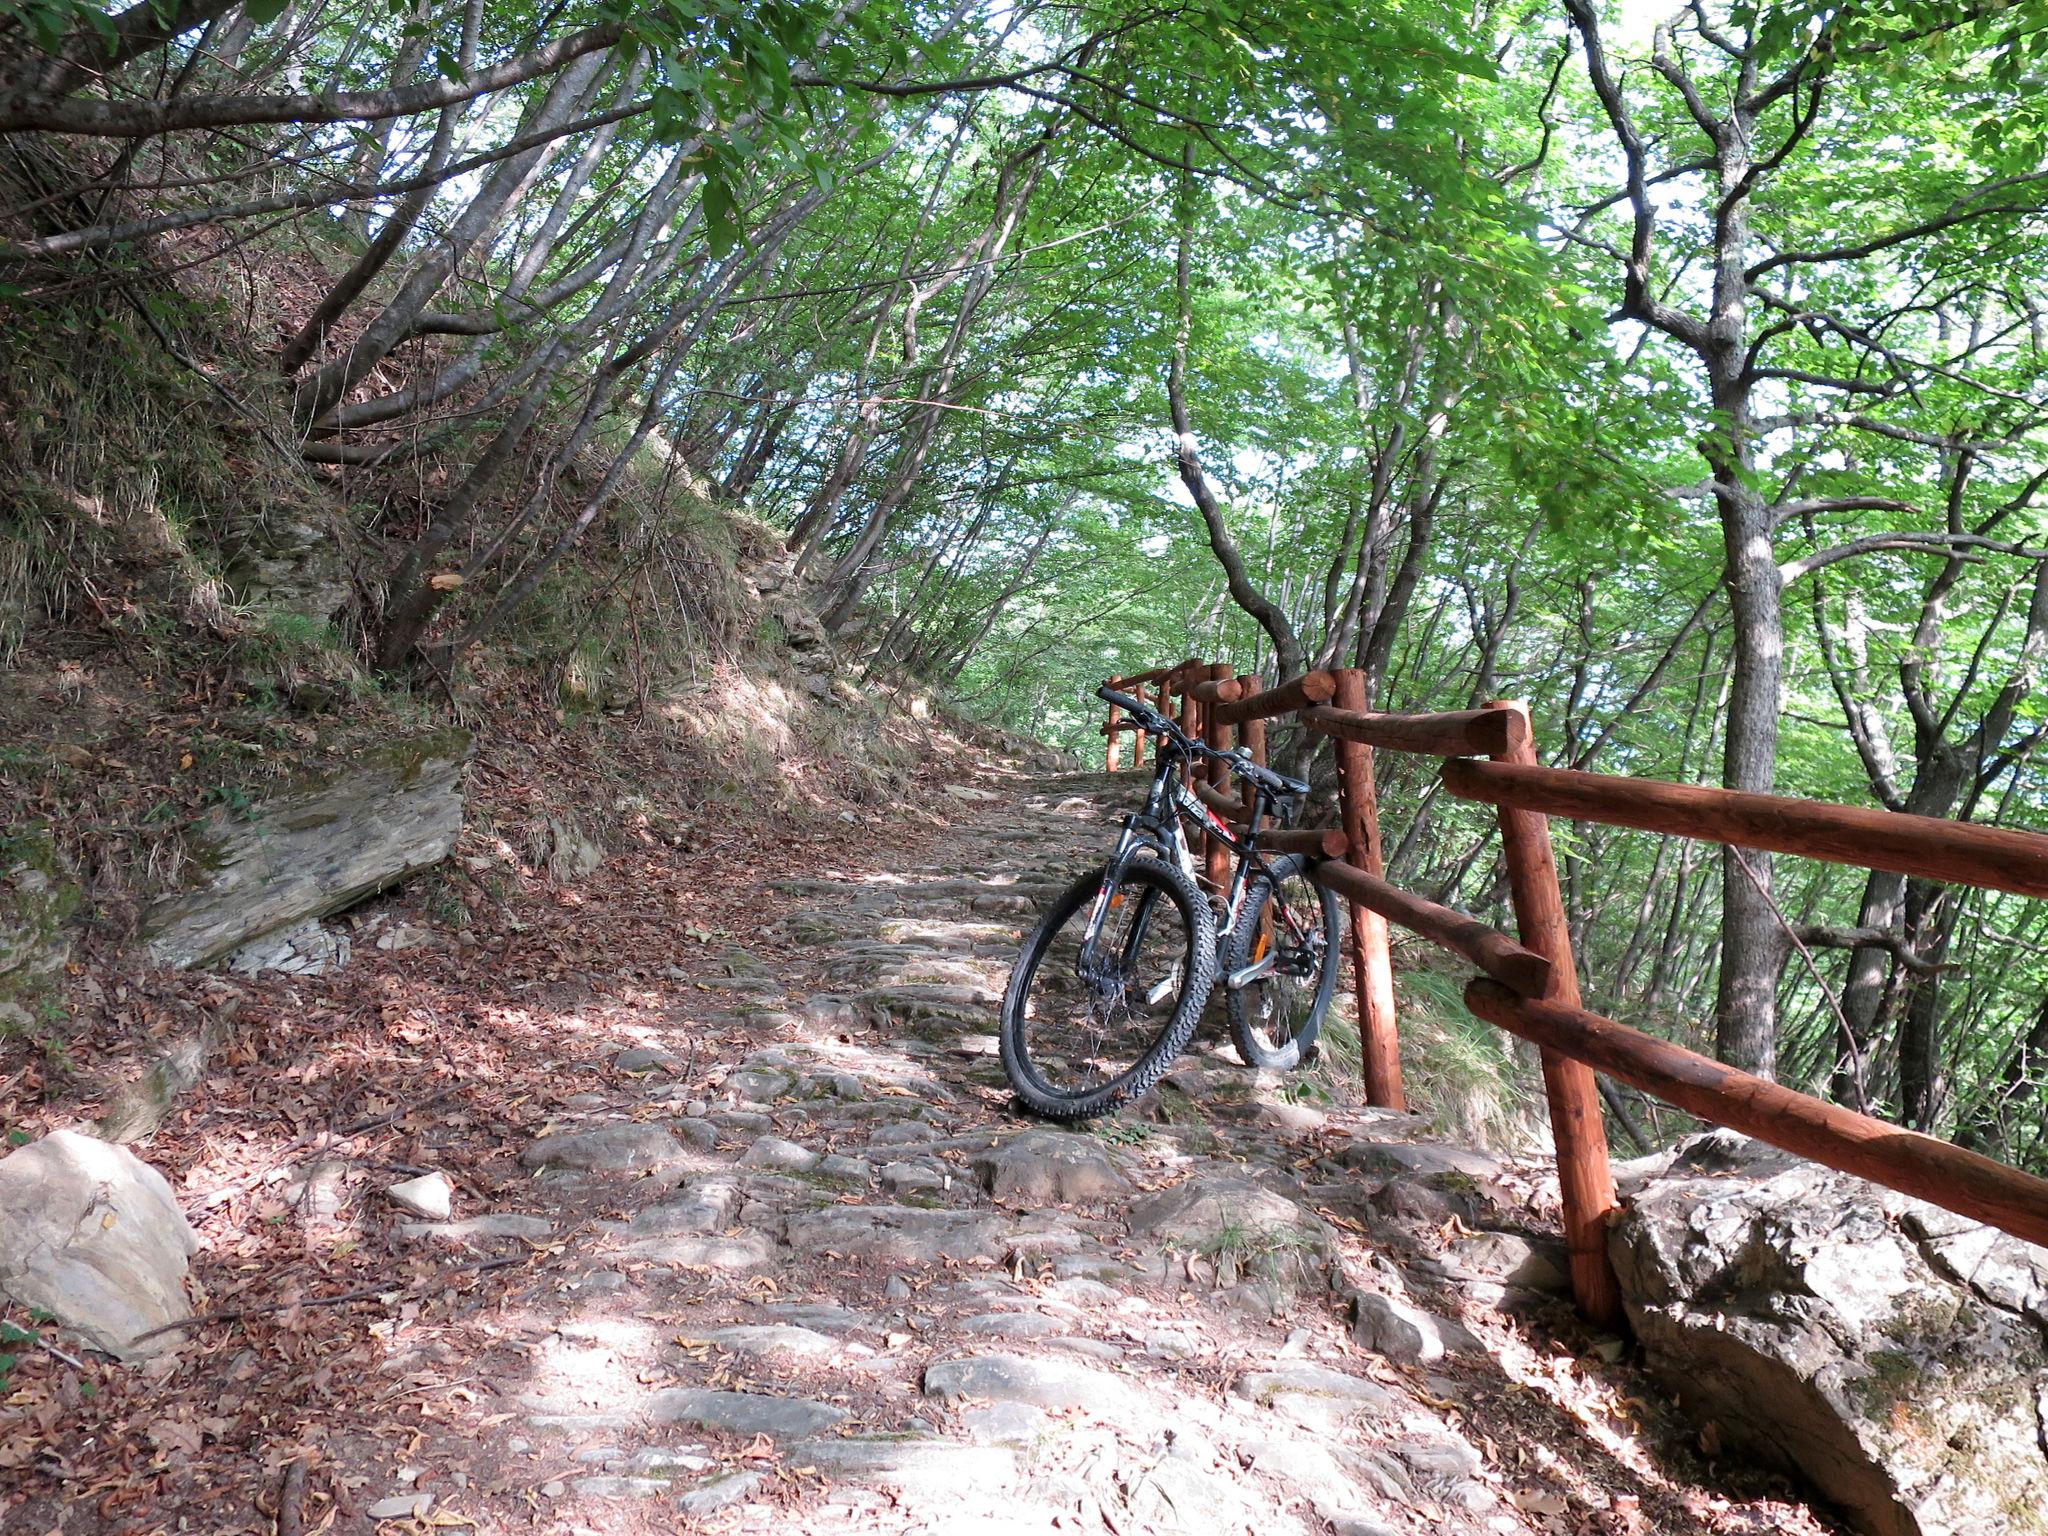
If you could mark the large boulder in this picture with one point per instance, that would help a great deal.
(90, 1234)
(321, 843)
(1893, 1353)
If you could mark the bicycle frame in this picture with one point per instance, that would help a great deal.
(1161, 829)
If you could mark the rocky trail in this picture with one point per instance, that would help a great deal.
(766, 1248)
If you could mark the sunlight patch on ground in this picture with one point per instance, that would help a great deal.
(589, 1364)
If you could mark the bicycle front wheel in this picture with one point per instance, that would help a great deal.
(1285, 947)
(1087, 1026)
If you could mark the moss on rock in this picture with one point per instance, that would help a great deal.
(39, 894)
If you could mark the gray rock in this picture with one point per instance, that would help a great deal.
(570, 853)
(322, 843)
(404, 1506)
(1405, 1334)
(704, 1205)
(757, 1085)
(716, 1493)
(748, 1122)
(896, 1234)
(907, 1178)
(1445, 1456)
(666, 1462)
(481, 1228)
(701, 1134)
(608, 1149)
(1516, 1262)
(91, 1234)
(930, 1468)
(1395, 1158)
(38, 895)
(431, 1195)
(640, 1058)
(1094, 1349)
(903, 1133)
(1005, 1424)
(775, 1152)
(1270, 1388)
(1027, 1379)
(821, 1316)
(1191, 1495)
(308, 949)
(846, 1170)
(293, 555)
(1319, 1471)
(616, 1487)
(750, 1250)
(1011, 1325)
(773, 1339)
(742, 1413)
(1041, 1168)
(1821, 1321)
(1171, 1344)
(1249, 1232)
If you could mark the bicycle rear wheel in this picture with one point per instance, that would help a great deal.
(1288, 930)
(1088, 1027)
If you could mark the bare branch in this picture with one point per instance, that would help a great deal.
(27, 109)
(1828, 936)
(1917, 543)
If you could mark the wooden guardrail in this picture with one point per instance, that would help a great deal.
(1530, 988)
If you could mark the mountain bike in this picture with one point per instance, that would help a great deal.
(1114, 979)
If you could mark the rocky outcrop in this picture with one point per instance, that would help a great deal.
(37, 895)
(319, 844)
(90, 1234)
(293, 558)
(1893, 1353)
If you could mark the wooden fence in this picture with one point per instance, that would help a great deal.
(1529, 985)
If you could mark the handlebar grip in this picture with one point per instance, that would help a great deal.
(1122, 701)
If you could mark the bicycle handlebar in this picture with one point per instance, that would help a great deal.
(1150, 721)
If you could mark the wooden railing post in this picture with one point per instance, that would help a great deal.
(1252, 734)
(1372, 967)
(1217, 735)
(1138, 737)
(1584, 1181)
(1112, 755)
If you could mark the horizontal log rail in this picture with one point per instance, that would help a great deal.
(1300, 693)
(1218, 690)
(1460, 733)
(1324, 843)
(1922, 1166)
(1529, 987)
(1929, 847)
(1492, 951)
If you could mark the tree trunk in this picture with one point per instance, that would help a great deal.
(1187, 456)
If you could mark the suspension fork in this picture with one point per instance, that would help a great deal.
(1146, 821)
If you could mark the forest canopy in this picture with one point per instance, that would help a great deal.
(1676, 367)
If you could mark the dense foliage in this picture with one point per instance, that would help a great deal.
(1679, 369)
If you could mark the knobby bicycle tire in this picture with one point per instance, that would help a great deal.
(1151, 881)
(1249, 1007)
